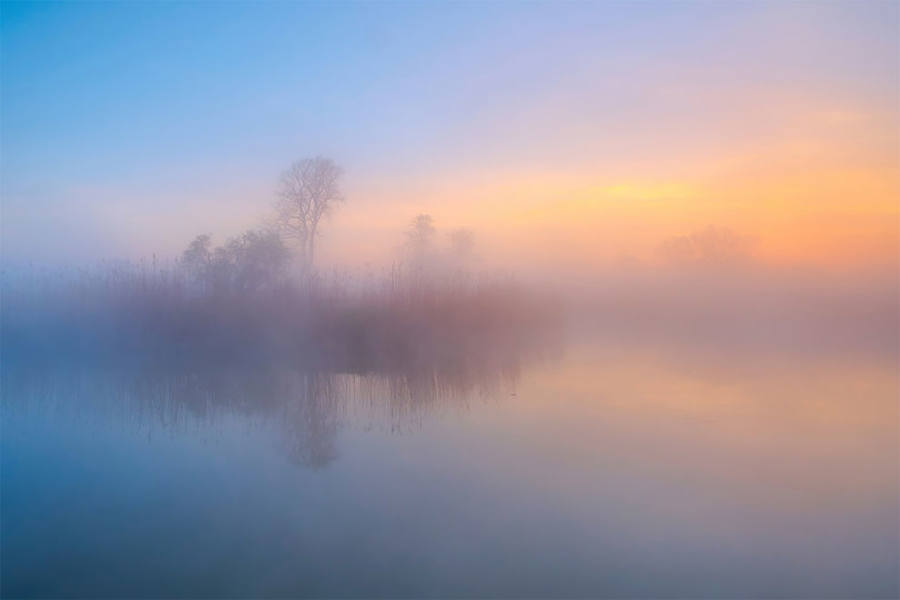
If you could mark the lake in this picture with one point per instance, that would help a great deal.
(606, 470)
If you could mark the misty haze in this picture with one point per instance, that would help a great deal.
(476, 300)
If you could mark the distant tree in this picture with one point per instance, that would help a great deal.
(197, 257)
(309, 189)
(419, 245)
(243, 264)
(709, 246)
(258, 259)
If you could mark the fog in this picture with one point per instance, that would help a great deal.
(470, 300)
(664, 411)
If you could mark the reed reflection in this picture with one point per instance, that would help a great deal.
(304, 410)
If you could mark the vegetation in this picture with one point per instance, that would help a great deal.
(235, 303)
(221, 306)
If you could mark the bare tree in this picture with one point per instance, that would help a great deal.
(309, 189)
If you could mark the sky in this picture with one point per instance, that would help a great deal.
(573, 134)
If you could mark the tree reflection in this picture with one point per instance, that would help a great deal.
(303, 409)
(309, 421)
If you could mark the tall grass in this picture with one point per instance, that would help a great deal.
(158, 314)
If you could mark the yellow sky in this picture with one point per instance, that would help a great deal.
(817, 185)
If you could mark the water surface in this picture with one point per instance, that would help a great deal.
(613, 470)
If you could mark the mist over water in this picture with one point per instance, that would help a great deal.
(701, 429)
(449, 300)
(237, 421)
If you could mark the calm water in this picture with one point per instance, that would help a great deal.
(622, 471)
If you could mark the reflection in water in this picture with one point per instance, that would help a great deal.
(309, 421)
(306, 408)
(616, 471)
